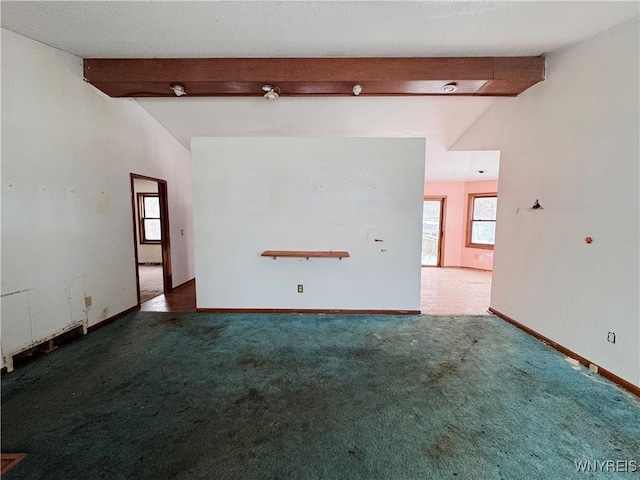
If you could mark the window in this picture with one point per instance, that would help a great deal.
(432, 213)
(481, 232)
(149, 209)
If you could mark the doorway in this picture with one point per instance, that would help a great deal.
(432, 231)
(151, 236)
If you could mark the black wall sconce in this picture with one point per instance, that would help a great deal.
(537, 206)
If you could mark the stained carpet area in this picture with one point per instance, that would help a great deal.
(197, 396)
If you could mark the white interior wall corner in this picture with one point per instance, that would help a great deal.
(572, 142)
(67, 152)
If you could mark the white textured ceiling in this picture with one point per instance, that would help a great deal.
(319, 29)
(312, 28)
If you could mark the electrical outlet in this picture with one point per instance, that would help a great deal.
(611, 337)
(300, 288)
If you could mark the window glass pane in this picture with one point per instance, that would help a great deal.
(431, 218)
(151, 207)
(484, 208)
(483, 232)
(430, 232)
(152, 229)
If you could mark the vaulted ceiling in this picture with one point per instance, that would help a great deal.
(133, 29)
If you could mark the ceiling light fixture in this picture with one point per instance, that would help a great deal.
(178, 90)
(272, 92)
(480, 171)
(449, 88)
(357, 90)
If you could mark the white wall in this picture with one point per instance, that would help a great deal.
(67, 151)
(147, 253)
(572, 142)
(256, 194)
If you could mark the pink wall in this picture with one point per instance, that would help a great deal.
(455, 222)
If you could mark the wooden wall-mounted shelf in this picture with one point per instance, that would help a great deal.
(308, 254)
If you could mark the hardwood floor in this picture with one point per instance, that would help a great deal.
(150, 281)
(183, 299)
(10, 460)
(455, 291)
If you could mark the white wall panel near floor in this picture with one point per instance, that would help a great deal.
(572, 142)
(256, 194)
(67, 151)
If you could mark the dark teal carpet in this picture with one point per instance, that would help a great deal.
(197, 396)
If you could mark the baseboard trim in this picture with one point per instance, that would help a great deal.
(306, 310)
(112, 319)
(476, 268)
(458, 267)
(569, 353)
(185, 284)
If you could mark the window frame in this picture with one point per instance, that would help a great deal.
(141, 218)
(470, 220)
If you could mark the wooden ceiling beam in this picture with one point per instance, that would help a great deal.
(488, 76)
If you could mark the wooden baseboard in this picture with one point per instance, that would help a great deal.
(477, 269)
(458, 267)
(185, 284)
(569, 353)
(305, 310)
(112, 319)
